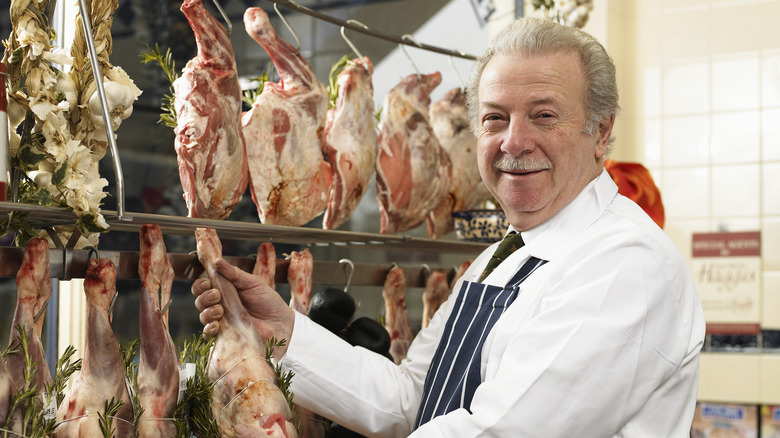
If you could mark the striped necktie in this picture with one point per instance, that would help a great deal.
(512, 242)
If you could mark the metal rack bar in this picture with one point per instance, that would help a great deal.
(67, 264)
(396, 39)
(43, 217)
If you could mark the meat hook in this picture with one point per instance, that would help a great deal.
(286, 23)
(351, 266)
(410, 38)
(349, 43)
(224, 17)
(427, 271)
(457, 75)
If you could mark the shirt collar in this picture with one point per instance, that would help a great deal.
(547, 239)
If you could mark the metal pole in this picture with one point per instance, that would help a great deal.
(120, 181)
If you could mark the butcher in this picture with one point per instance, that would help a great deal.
(584, 321)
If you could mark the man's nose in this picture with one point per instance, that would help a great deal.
(519, 139)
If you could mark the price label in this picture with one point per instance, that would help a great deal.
(186, 372)
(50, 411)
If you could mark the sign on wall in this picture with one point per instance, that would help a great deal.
(726, 268)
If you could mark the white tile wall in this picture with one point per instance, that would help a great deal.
(707, 73)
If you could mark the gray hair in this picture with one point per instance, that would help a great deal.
(537, 37)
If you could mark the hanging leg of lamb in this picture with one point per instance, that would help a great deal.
(158, 367)
(209, 145)
(396, 315)
(450, 123)
(435, 293)
(413, 171)
(245, 399)
(265, 264)
(102, 375)
(290, 180)
(299, 274)
(350, 142)
(33, 285)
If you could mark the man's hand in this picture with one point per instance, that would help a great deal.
(271, 315)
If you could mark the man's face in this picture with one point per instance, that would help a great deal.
(532, 152)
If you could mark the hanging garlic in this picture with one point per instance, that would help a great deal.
(120, 93)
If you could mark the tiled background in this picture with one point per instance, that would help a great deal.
(700, 91)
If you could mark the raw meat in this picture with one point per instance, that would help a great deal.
(459, 272)
(33, 285)
(5, 393)
(102, 375)
(396, 316)
(158, 367)
(450, 123)
(283, 134)
(435, 293)
(350, 142)
(209, 145)
(299, 274)
(265, 264)
(245, 399)
(413, 171)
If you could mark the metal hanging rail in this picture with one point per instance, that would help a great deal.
(366, 30)
(45, 217)
(66, 264)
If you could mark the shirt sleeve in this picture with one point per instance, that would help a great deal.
(610, 329)
(353, 386)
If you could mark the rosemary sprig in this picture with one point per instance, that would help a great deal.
(106, 418)
(131, 372)
(166, 62)
(333, 76)
(283, 379)
(28, 399)
(193, 412)
(249, 96)
(62, 372)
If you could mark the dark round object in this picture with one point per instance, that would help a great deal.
(332, 309)
(369, 334)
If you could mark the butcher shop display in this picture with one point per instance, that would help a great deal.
(450, 123)
(290, 179)
(350, 141)
(412, 170)
(209, 145)
(246, 400)
(396, 315)
(99, 390)
(158, 368)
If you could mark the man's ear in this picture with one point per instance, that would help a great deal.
(604, 133)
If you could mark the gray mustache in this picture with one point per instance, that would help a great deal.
(521, 164)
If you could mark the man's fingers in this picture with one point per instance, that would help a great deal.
(207, 299)
(240, 279)
(200, 285)
(211, 329)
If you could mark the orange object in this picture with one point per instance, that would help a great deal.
(635, 182)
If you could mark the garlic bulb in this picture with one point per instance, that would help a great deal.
(120, 92)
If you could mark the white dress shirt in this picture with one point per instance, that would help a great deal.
(602, 341)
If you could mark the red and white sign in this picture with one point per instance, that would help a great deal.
(726, 268)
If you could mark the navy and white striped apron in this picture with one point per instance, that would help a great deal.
(455, 371)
